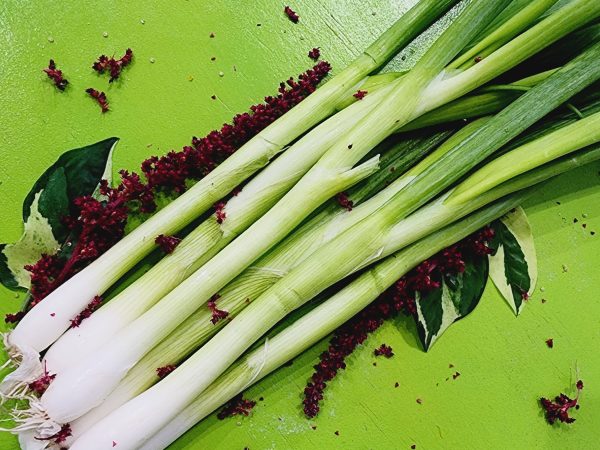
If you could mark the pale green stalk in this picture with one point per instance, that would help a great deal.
(49, 319)
(341, 307)
(359, 246)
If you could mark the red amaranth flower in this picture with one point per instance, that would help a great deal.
(61, 436)
(344, 201)
(217, 314)
(384, 350)
(14, 318)
(97, 224)
(559, 408)
(291, 14)
(40, 385)
(399, 298)
(112, 65)
(238, 405)
(87, 312)
(550, 343)
(162, 372)
(314, 54)
(359, 95)
(193, 162)
(56, 76)
(100, 98)
(220, 212)
(167, 243)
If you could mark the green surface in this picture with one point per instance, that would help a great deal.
(503, 361)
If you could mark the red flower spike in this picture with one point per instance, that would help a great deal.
(87, 312)
(558, 410)
(399, 298)
(112, 65)
(344, 201)
(384, 350)
(167, 243)
(97, 224)
(359, 95)
(314, 54)
(236, 406)
(291, 14)
(100, 97)
(56, 76)
(162, 372)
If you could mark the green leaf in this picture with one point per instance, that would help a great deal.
(456, 298)
(513, 266)
(76, 172)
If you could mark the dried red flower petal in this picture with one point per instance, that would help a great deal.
(344, 201)
(359, 95)
(384, 350)
(478, 59)
(236, 406)
(167, 243)
(314, 54)
(291, 14)
(550, 343)
(56, 76)
(558, 410)
(100, 98)
(399, 298)
(87, 312)
(220, 212)
(162, 372)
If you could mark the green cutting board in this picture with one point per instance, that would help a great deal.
(165, 97)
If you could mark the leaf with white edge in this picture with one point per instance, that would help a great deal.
(37, 239)
(75, 173)
(457, 297)
(513, 266)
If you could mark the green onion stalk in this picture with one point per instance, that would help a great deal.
(333, 173)
(375, 237)
(331, 314)
(39, 329)
(322, 228)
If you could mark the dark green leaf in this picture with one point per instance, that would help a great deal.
(456, 298)
(6, 276)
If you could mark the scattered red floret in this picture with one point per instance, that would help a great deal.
(100, 97)
(113, 66)
(56, 76)
(384, 350)
(167, 243)
(217, 314)
(162, 372)
(291, 14)
(40, 385)
(478, 59)
(315, 53)
(14, 318)
(97, 224)
(344, 201)
(550, 343)
(359, 95)
(237, 406)
(87, 312)
(61, 436)
(399, 298)
(220, 212)
(559, 408)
